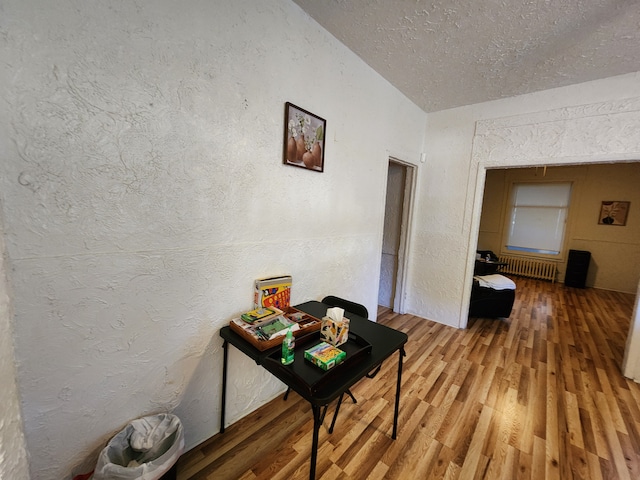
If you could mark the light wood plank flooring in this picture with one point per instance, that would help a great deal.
(536, 396)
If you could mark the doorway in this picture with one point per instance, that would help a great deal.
(397, 214)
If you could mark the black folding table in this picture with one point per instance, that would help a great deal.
(369, 345)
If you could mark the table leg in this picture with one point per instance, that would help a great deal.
(225, 348)
(335, 414)
(397, 408)
(317, 422)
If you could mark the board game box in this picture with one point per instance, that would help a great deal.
(325, 355)
(273, 292)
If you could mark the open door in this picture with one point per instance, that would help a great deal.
(400, 177)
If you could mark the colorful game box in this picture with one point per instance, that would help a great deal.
(258, 314)
(273, 292)
(325, 355)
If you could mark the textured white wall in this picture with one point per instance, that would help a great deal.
(13, 455)
(143, 191)
(591, 122)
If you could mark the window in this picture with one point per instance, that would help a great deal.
(538, 217)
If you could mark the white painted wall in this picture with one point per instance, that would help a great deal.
(13, 454)
(591, 122)
(143, 191)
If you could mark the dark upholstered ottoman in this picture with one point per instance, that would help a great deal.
(492, 296)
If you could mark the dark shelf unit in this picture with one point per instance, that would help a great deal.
(577, 268)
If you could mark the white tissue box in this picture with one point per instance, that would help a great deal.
(333, 332)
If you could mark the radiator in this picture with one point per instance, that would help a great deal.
(529, 267)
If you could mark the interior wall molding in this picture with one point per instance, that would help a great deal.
(604, 131)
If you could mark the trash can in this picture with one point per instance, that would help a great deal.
(145, 449)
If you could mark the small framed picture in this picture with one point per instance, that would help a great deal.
(303, 138)
(613, 213)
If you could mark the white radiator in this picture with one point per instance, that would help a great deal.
(529, 267)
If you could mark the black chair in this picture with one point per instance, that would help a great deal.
(349, 307)
(361, 311)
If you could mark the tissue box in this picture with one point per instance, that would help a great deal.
(335, 333)
(272, 292)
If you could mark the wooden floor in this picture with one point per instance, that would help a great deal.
(536, 396)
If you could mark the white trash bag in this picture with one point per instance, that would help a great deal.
(146, 449)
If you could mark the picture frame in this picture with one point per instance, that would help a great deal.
(613, 212)
(304, 134)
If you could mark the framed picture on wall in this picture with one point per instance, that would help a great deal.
(303, 138)
(613, 212)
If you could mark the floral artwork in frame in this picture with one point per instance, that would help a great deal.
(613, 213)
(304, 135)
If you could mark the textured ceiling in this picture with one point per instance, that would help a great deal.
(447, 53)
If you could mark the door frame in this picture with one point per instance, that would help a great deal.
(406, 223)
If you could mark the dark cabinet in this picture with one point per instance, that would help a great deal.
(577, 268)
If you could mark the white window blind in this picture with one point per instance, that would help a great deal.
(538, 217)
